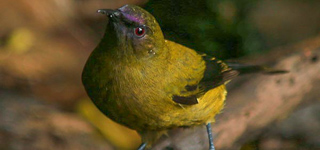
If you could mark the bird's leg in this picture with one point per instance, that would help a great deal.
(209, 131)
(142, 146)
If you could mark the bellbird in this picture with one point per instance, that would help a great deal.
(150, 84)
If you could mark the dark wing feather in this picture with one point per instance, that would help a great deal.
(216, 73)
(189, 100)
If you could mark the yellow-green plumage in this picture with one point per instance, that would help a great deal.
(135, 86)
(142, 98)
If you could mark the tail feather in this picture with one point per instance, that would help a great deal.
(247, 69)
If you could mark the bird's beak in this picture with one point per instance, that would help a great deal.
(114, 15)
(106, 11)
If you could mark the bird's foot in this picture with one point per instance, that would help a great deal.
(209, 131)
(142, 146)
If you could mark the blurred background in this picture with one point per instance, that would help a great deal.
(44, 46)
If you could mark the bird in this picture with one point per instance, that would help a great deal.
(150, 84)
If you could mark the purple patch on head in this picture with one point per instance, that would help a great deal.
(128, 12)
(133, 18)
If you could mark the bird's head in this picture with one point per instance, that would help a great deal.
(134, 32)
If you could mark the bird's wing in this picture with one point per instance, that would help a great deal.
(215, 74)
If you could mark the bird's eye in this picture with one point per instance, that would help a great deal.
(140, 31)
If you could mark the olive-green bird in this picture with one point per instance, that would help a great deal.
(150, 84)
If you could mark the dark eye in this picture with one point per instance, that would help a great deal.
(139, 31)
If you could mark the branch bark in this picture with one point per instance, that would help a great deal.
(259, 101)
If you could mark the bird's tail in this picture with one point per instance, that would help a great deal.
(247, 69)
